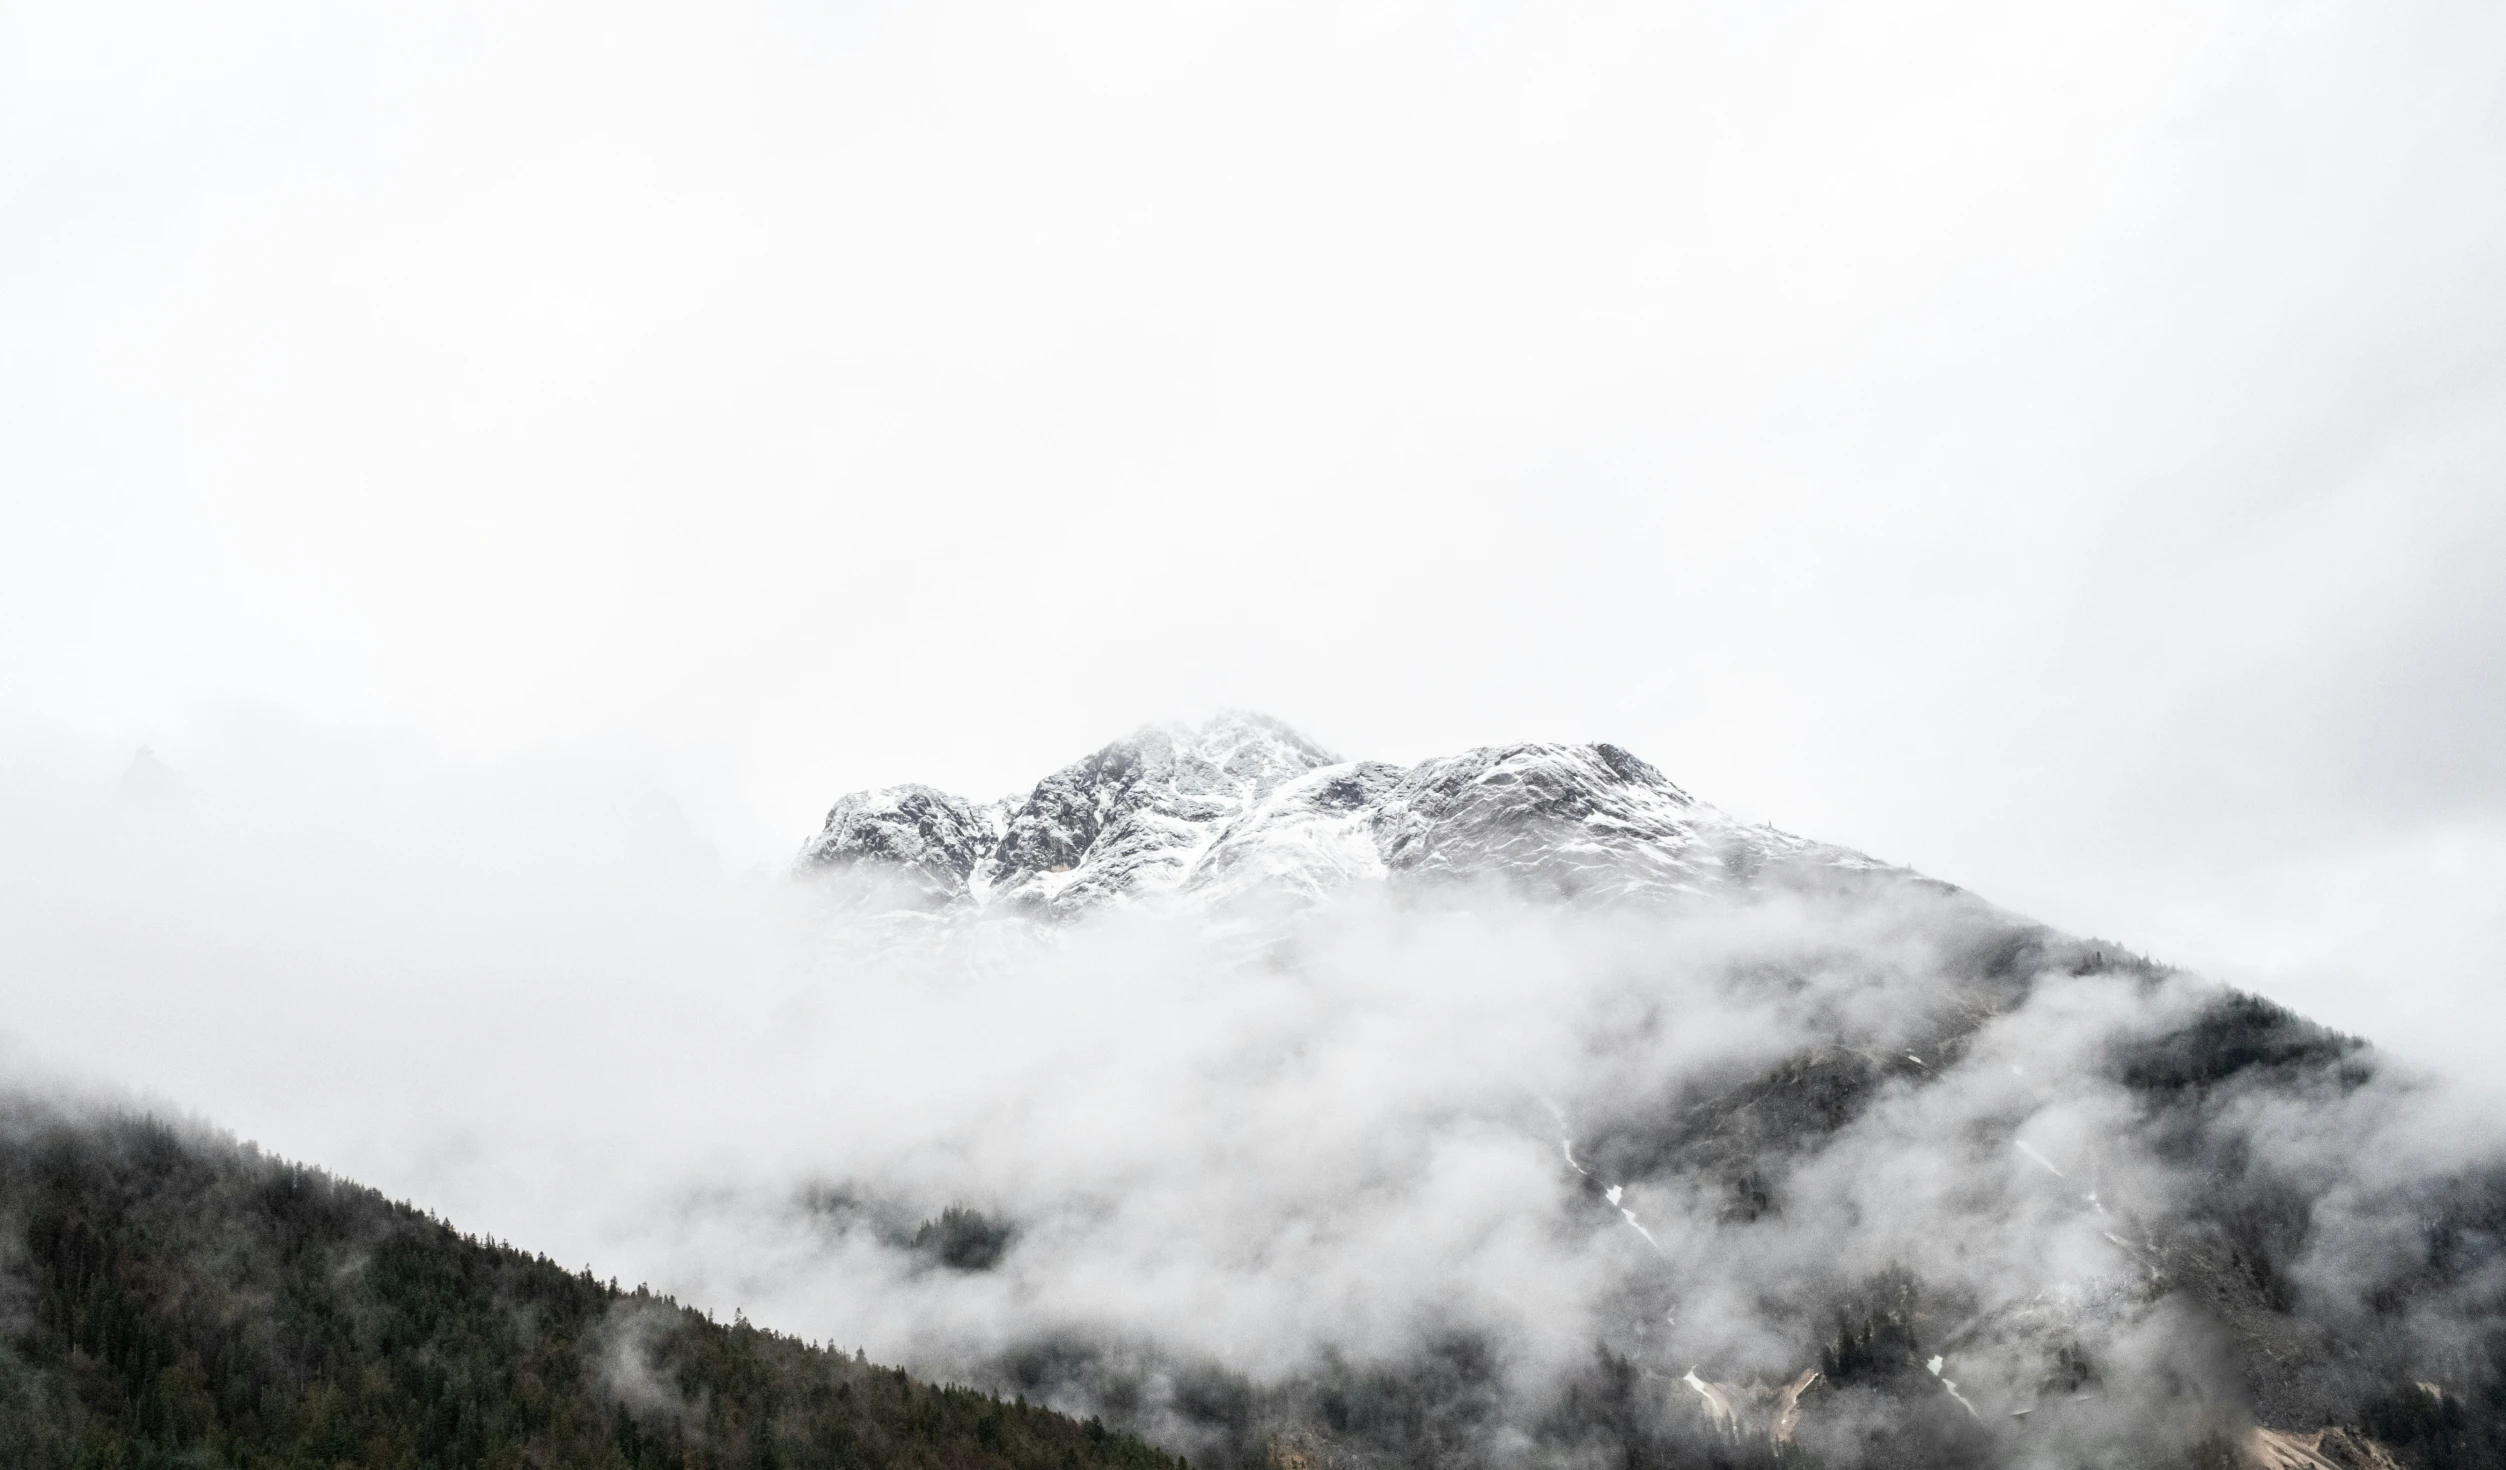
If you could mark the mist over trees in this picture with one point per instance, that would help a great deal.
(175, 1300)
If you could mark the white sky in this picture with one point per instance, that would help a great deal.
(2063, 448)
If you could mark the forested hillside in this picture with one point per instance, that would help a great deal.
(174, 1299)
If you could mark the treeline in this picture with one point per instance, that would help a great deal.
(174, 1301)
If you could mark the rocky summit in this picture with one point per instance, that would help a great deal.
(1242, 806)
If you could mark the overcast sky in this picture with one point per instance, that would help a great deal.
(2062, 448)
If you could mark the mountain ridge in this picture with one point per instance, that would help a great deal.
(1242, 806)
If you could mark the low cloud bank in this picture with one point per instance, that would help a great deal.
(1451, 1171)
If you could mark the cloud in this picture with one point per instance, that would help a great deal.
(2051, 450)
(1433, 1152)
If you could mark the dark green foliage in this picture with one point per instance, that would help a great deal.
(2463, 1233)
(169, 1301)
(1217, 1399)
(1873, 1341)
(2265, 1223)
(1741, 1132)
(2441, 1431)
(963, 1239)
(1434, 1406)
(1879, 1406)
(2006, 958)
(2241, 1037)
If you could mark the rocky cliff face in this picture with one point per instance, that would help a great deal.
(922, 845)
(1243, 807)
(1137, 817)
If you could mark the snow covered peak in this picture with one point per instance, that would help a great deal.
(1245, 746)
(1134, 817)
(1571, 818)
(1242, 806)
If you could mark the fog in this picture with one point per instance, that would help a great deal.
(2059, 451)
(475, 482)
(527, 997)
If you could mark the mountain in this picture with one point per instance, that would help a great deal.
(173, 1299)
(1242, 808)
(1625, 1134)
(2257, 1243)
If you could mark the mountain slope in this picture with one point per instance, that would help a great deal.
(175, 1300)
(1902, 1178)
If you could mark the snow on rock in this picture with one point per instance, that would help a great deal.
(1309, 837)
(919, 843)
(1136, 817)
(1572, 821)
(1243, 808)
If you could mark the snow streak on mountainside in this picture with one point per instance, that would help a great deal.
(1243, 807)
